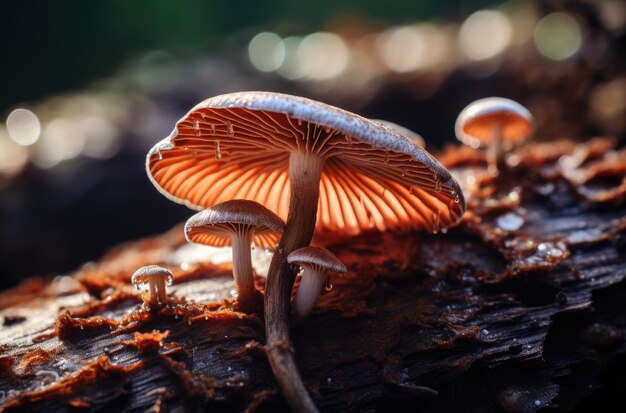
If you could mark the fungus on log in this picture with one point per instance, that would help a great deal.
(518, 308)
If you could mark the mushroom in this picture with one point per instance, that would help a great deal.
(237, 223)
(315, 263)
(497, 123)
(414, 136)
(308, 162)
(158, 278)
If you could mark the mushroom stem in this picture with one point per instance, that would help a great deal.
(308, 291)
(496, 153)
(305, 171)
(242, 269)
(158, 293)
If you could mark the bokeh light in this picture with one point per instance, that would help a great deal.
(23, 127)
(13, 157)
(485, 34)
(291, 68)
(322, 56)
(402, 48)
(60, 141)
(558, 36)
(266, 51)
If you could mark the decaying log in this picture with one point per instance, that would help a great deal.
(520, 308)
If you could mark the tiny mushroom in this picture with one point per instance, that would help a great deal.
(414, 136)
(315, 263)
(238, 223)
(157, 278)
(319, 166)
(498, 123)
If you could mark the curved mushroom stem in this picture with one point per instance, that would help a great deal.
(308, 292)
(496, 153)
(242, 269)
(304, 173)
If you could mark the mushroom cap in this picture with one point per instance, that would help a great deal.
(214, 226)
(237, 146)
(143, 274)
(317, 257)
(414, 136)
(474, 125)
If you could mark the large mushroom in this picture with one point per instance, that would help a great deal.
(308, 162)
(237, 223)
(497, 123)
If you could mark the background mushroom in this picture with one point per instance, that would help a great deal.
(414, 136)
(497, 123)
(315, 263)
(291, 154)
(157, 278)
(237, 223)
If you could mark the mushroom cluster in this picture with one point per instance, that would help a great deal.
(318, 167)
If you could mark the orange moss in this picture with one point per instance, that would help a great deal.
(147, 341)
(92, 373)
(69, 328)
(36, 357)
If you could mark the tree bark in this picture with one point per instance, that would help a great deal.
(519, 308)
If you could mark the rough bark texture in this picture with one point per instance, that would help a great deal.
(520, 308)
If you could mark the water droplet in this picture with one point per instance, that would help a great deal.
(327, 129)
(196, 128)
(437, 185)
(437, 221)
(485, 332)
(159, 155)
(218, 150)
(169, 280)
(329, 380)
(231, 130)
(537, 403)
(189, 322)
(233, 293)
(299, 122)
(82, 327)
(510, 221)
(176, 317)
(328, 284)
(213, 129)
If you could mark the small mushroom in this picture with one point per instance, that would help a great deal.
(315, 263)
(414, 136)
(158, 278)
(498, 123)
(237, 223)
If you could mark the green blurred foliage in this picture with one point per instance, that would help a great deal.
(53, 46)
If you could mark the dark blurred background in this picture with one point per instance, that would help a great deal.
(88, 87)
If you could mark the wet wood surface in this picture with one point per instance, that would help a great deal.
(520, 308)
